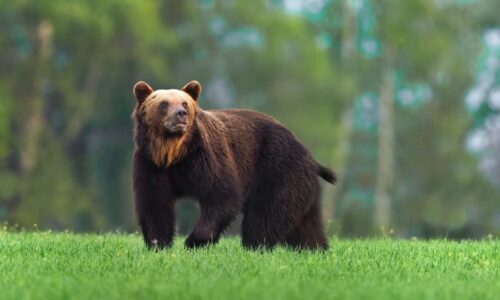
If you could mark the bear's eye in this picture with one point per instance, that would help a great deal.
(163, 106)
(184, 104)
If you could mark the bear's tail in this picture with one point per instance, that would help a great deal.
(326, 174)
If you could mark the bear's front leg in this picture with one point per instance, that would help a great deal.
(208, 229)
(157, 225)
(154, 203)
(203, 234)
(216, 214)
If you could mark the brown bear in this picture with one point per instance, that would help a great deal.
(232, 161)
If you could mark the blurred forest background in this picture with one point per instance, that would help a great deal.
(401, 98)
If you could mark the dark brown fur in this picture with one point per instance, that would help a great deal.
(231, 161)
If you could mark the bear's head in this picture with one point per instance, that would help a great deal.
(167, 116)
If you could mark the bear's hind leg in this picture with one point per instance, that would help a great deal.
(261, 231)
(293, 239)
(308, 234)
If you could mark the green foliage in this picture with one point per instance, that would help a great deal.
(437, 184)
(68, 68)
(100, 48)
(5, 114)
(112, 266)
(55, 199)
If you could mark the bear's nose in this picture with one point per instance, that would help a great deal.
(181, 114)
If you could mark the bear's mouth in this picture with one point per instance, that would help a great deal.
(176, 128)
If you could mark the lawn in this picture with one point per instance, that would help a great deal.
(44, 265)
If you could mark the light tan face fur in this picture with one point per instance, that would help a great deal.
(168, 116)
(160, 109)
(166, 132)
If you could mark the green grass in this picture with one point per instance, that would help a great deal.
(47, 265)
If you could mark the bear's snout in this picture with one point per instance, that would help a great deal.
(177, 122)
(181, 115)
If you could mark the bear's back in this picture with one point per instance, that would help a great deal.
(252, 130)
(258, 143)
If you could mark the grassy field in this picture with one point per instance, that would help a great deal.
(47, 265)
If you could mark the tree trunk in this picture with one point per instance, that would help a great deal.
(340, 154)
(341, 150)
(385, 168)
(33, 123)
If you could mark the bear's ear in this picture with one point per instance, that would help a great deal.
(193, 88)
(142, 90)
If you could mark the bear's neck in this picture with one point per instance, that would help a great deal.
(164, 152)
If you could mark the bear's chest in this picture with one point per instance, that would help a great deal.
(191, 178)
